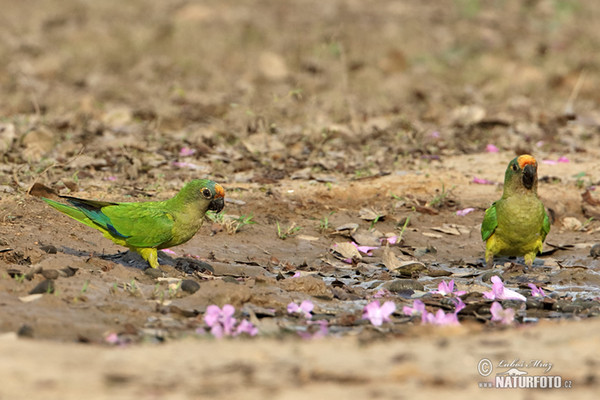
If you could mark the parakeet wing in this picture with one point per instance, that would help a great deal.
(490, 222)
(138, 224)
(545, 226)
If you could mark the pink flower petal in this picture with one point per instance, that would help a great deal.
(536, 291)
(499, 292)
(169, 251)
(504, 316)
(382, 293)
(464, 211)
(563, 159)
(305, 308)
(377, 314)
(482, 181)
(183, 164)
(490, 148)
(549, 162)
(323, 330)
(364, 249)
(417, 308)
(186, 151)
(246, 327)
(390, 240)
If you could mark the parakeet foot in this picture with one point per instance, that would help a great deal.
(529, 259)
(150, 255)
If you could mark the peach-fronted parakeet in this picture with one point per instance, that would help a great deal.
(517, 224)
(148, 226)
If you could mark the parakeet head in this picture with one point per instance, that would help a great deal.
(521, 175)
(204, 191)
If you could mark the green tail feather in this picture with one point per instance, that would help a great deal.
(71, 212)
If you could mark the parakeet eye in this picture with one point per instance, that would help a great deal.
(514, 167)
(206, 193)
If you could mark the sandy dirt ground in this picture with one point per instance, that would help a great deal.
(326, 123)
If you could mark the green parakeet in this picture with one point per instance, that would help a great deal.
(517, 224)
(148, 226)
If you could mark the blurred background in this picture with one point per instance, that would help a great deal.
(264, 88)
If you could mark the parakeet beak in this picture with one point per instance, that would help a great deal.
(217, 204)
(529, 176)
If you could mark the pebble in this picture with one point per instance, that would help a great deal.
(50, 249)
(25, 331)
(46, 286)
(68, 271)
(190, 286)
(399, 285)
(50, 273)
(595, 250)
(153, 272)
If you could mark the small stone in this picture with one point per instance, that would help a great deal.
(46, 286)
(25, 331)
(595, 250)
(400, 285)
(50, 273)
(190, 286)
(50, 249)
(153, 272)
(68, 271)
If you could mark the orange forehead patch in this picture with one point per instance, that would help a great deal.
(526, 159)
(220, 191)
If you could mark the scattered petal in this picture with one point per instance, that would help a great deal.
(440, 318)
(391, 240)
(183, 164)
(499, 292)
(504, 316)
(464, 211)
(186, 151)
(365, 249)
(418, 308)
(549, 162)
(490, 148)
(246, 327)
(322, 330)
(563, 159)
(536, 291)
(222, 323)
(112, 338)
(482, 181)
(305, 308)
(377, 314)
(448, 289)
(169, 251)
(382, 293)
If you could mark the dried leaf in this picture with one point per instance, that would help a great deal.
(572, 224)
(345, 251)
(432, 235)
(31, 297)
(368, 214)
(394, 263)
(346, 229)
(366, 238)
(448, 229)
